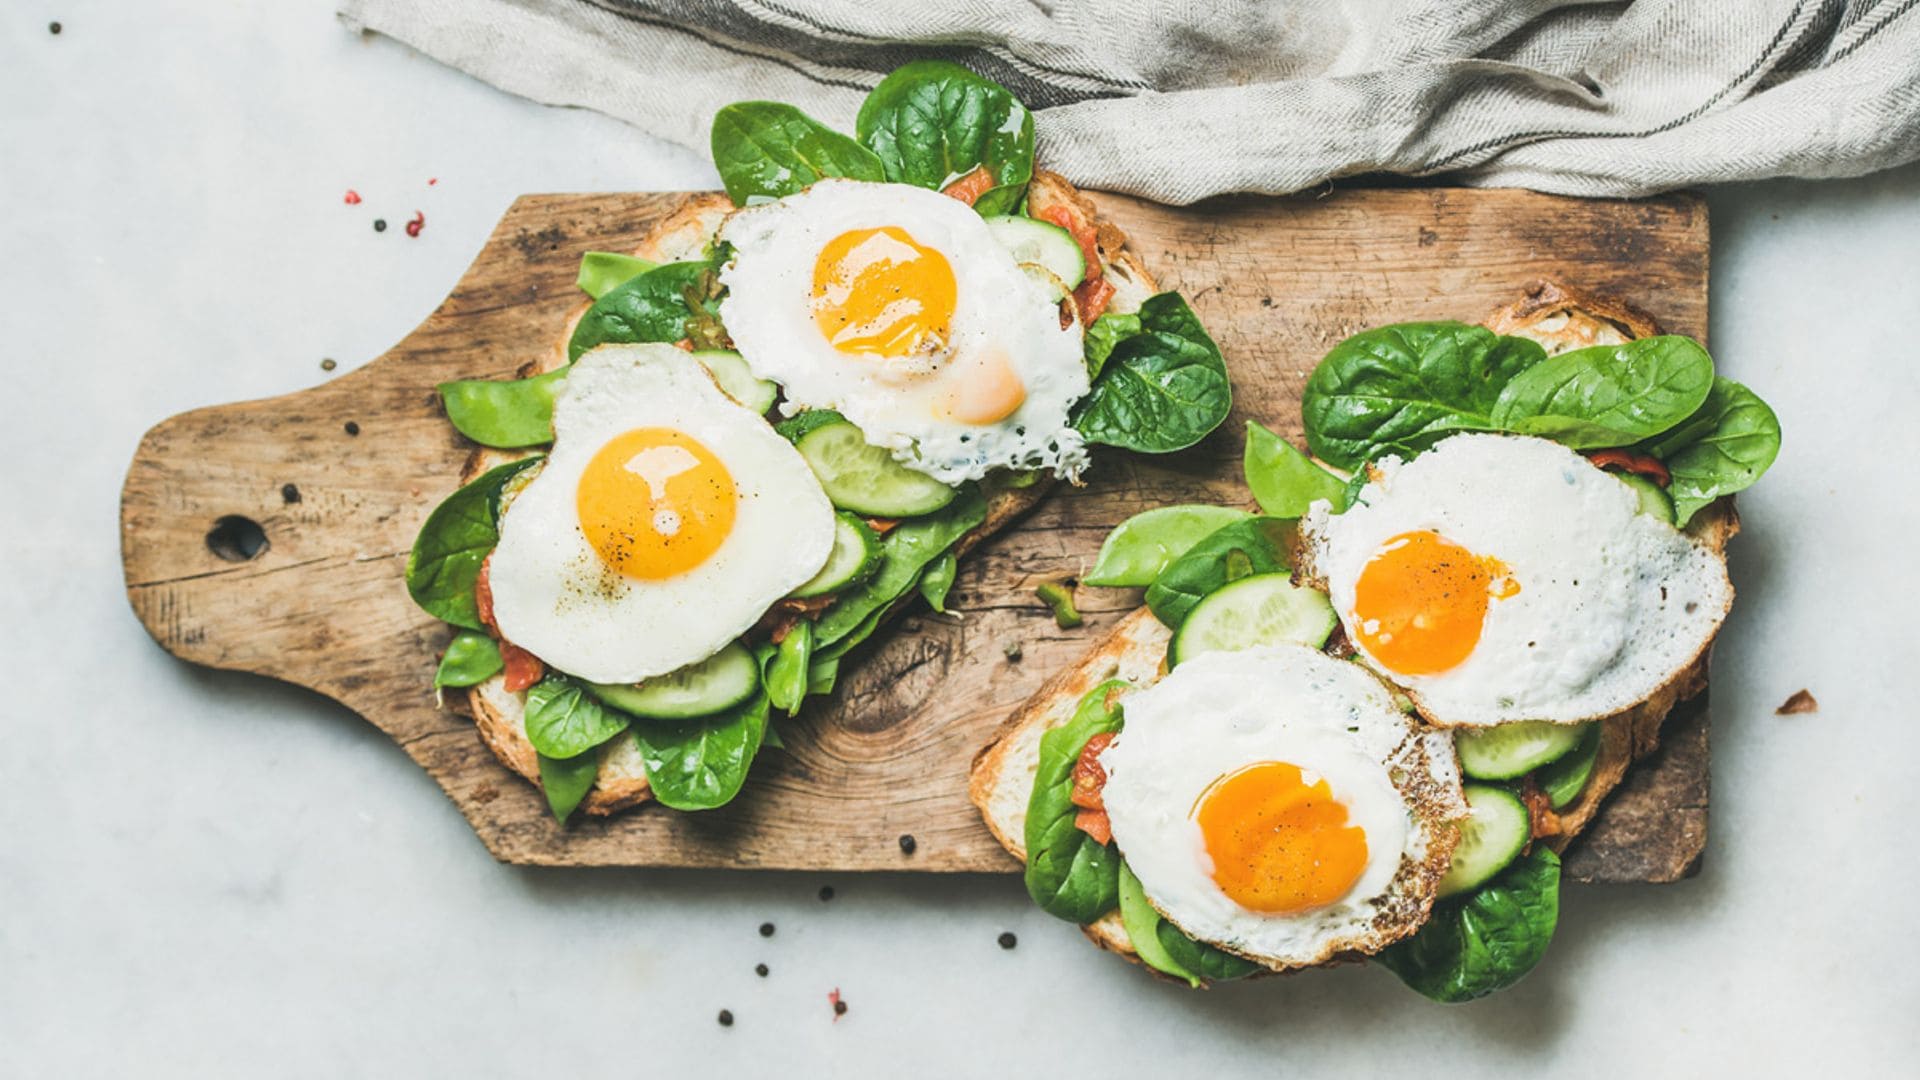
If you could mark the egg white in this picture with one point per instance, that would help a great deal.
(1612, 603)
(1221, 712)
(768, 313)
(555, 597)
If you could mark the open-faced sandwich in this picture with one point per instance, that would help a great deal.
(784, 417)
(1364, 720)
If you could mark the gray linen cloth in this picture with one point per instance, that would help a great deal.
(1179, 101)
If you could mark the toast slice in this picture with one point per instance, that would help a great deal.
(684, 234)
(1560, 319)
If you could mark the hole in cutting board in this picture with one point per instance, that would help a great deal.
(237, 539)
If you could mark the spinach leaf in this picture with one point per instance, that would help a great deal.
(1286, 482)
(794, 427)
(1406, 387)
(454, 541)
(905, 551)
(1487, 940)
(932, 122)
(700, 764)
(1254, 546)
(673, 302)
(822, 674)
(1068, 874)
(764, 149)
(566, 781)
(1162, 389)
(1143, 929)
(1107, 331)
(1607, 395)
(1721, 449)
(1209, 963)
(504, 413)
(601, 271)
(1142, 546)
(786, 671)
(937, 580)
(471, 658)
(564, 721)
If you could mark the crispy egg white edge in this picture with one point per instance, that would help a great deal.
(775, 250)
(1592, 653)
(1421, 773)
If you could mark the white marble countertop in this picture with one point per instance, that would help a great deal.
(205, 874)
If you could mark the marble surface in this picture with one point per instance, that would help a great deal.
(203, 874)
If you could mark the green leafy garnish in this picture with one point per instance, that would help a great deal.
(1162, 388)
(1723, 448)
(767, 150)
(504, 413)
(602, 271)
(1069, 874)
(471, 658)
(1607, 395)
(1487, 940)
(932, 122)
(564, 721)
(937, 580)
(1255, 546)
(566, 781)
(701, 764)
(1286, 482)
(454, 541)
(1142, 546)
(1058, 595)
(670, 303)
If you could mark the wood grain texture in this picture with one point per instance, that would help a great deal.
(1277, 281)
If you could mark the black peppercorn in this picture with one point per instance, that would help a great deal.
(766, 929)
(726, 1017)
(1008, 941)
(908, 844)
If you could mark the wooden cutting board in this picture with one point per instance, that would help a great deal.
(338, 478)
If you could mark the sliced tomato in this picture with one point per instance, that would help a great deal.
(1091, 298)
(483, 595)
(523, 668)
(1088, 777)
(1632, 461)
(970, 187)
(1095, 824)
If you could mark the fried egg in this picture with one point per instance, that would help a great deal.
(1501, 578)
(896, 306)
(663, 524)
(1275, 803)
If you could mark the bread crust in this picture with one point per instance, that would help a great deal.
(1560, 318)
(684, 234)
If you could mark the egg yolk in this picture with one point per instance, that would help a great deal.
(982, 390)
(1279, 845)
(879, 292)
(1421, 601)
(655, 502)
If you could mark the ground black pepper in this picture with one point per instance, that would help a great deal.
(908, 844)
(766, 929)
(726, 1017)
(1008, 941)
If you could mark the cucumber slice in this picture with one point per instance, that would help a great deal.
(1041, 242)
(1564, 779)
(1491, 837)
(736, 379)
(865, 479)
(855, 556)
(713, 685)
(1263, 609)
(1654, 500)
(1506, 751)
